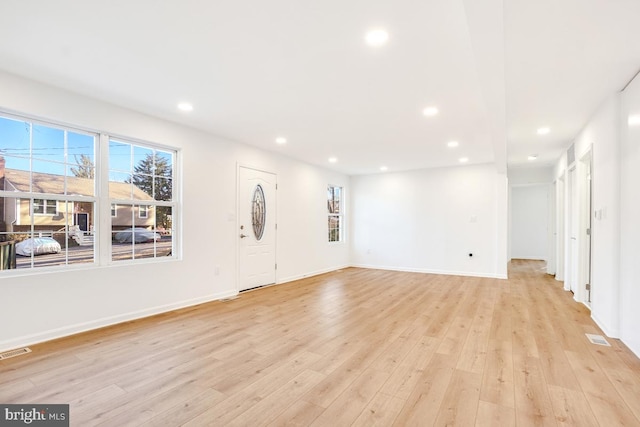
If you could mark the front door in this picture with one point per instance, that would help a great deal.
(256, 228)
(82, 221)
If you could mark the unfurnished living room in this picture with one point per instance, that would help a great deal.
(325, 213)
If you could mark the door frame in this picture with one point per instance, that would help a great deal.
(237, 219)
(572, 252)
(585, 242)
(560, 227)
(578, 212)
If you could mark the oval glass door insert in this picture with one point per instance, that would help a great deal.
(258, 212)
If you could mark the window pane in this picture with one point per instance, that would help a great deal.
(62, 234)
(80, 148)
(14, 138)
(48, 177)
(334, 196)
(50, 207)
(81, 238)
(82, 184)
(48, 144)
(334, 228)
(119, 156)
(137, 238)
(142, 187)
(163, 189)
(143, 160)
(164, 220)
(120, 185)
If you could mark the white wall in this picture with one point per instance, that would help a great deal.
(529, 215)
(540, 176)
(630, 217)
(601, 135)
(430, 220)
(41, 306)
(528, 176)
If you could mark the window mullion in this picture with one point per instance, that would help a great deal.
(103, 243)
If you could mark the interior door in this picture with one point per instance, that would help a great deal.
(256, 228)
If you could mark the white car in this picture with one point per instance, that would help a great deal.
(38, 246)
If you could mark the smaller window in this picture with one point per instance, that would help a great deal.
(143, 211)
(45, 207)
(335, 210)
(114, 210)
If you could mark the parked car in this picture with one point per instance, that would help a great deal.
(137, 235)
(38, 246)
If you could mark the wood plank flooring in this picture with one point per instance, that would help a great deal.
(353, 347)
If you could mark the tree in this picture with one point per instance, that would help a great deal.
(154, 174)
(85, 167)
(154, 171)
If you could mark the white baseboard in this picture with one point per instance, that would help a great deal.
(107, 321)
(611, 333)
(429, 271)
(314, 273)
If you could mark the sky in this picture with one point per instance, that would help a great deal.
(45, 151)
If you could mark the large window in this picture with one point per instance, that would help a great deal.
(335, 210)
(47, 193)
(141, 183)
(49, 203)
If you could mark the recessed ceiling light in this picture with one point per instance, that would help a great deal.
(430, 111)
(452, 144)
(543, 131)
(532, 157)
(332, 160)
(384, 168)
(281, 140)
(463, 159)
(185, 106)
(377, 38)
(634, 120)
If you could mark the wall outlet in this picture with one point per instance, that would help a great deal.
(216, 270)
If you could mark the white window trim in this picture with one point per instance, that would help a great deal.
(141, 209)
(44, 206)
(100, 200)
(174, 204)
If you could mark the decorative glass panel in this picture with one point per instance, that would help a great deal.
(258, 213)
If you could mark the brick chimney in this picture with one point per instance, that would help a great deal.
(2, 163)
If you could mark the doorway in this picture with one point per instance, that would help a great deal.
(573, 227)
(578, 234)
(560, 229)
(256, 228)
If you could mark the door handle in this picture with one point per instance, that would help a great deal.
(242, 236)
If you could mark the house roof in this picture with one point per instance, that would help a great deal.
(55, 184)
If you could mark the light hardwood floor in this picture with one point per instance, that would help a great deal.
(352, 347)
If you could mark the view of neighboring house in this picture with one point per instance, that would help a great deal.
(53, 215)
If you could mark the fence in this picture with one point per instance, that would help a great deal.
(8, 255)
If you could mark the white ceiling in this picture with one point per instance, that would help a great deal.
(255, 70)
